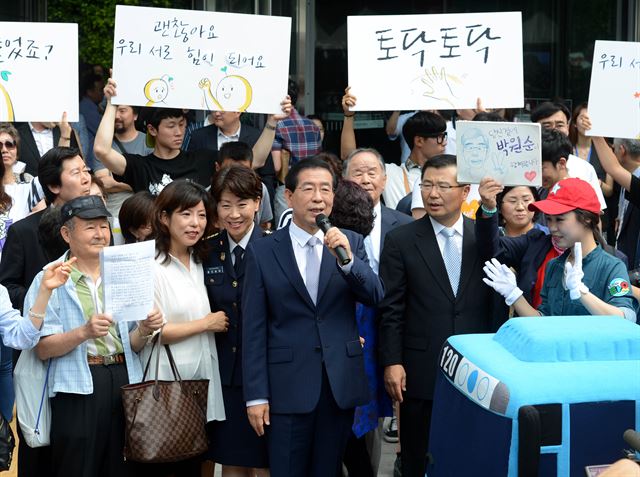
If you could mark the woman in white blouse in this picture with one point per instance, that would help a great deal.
(182, 218)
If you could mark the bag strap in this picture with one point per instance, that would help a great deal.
(119, 144)
(174, 367)
(36, 430)
(146, 368)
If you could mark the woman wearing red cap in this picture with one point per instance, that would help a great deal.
(584, 280)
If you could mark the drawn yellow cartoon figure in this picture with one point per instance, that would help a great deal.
(233, 93)
(6, 105)
(156, 90)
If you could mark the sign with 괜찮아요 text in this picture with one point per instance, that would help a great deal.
(448, 61)
(508, 152)
(200, 60)
(614, 94)
(33, 57)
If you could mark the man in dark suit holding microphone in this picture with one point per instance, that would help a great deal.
(432, 273)
(303, 369)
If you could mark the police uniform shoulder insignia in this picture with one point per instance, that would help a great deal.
(214, 235)
(266, 233)
(619, 287)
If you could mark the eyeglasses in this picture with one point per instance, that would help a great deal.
(442, 187)
(439, 137)
(10, 145)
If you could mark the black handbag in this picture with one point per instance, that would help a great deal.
(7, 444)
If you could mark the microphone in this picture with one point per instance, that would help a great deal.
(323, 224)
(632, 438)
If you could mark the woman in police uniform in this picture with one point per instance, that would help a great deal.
(584, 280)
(237, 192)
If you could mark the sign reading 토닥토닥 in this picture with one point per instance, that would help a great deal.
(34, 56)
(448, 61)
(200, 60)
(614, 94)
(507, 152)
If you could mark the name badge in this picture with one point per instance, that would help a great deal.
(214, 275)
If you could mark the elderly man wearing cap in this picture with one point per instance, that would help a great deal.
(92, 357)
(584, 280)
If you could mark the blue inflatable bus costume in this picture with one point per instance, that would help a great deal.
(542, 397)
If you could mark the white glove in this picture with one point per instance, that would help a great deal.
(502, 280)
(573, 274)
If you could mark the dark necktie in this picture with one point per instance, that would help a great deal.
(238, 253)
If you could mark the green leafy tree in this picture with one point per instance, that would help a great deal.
(96, 22)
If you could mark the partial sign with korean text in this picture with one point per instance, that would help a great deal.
(38, 71)
(507, 152)
(448, 61)
(614, 94)
(200, 60)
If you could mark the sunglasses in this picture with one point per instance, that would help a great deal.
(8, 144)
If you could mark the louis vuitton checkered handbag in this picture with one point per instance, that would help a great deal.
(165, 420)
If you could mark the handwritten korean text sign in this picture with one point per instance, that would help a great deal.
(508, 152)
(408, 62)
(38, 71)
(614, 95)
(200, 60)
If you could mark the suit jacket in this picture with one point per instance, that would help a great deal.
(224, 288)
(28, 150)
(391, 219)
(207, 138)
(419, 310)
(628, 236)
(22, 258)
(287, 339)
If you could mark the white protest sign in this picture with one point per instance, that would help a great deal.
(33, 58)
(614, 94)
(128, 280)
(508, 152)
(200, 60)
(409, 62)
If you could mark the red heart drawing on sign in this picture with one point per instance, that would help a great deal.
(530, 175)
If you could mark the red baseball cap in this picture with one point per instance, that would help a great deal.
(567, 195)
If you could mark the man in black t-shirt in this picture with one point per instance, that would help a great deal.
(167, 162)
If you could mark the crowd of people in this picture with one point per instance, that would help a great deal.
(305, 353)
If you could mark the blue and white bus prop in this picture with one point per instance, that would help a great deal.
(542, 397)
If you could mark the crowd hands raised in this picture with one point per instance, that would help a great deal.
(292, 341)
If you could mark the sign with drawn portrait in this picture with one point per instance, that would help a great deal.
(448, 61)
(200, 60)
(507, 152)
(34, 57)
(614, 94)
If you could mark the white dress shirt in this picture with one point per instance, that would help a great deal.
(43, 139)
(244, 241)
(458, 227)
(372, 241)
(181, 295)
(223, 138)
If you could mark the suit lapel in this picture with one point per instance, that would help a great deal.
(30, 142)
(225, 255)
(427, 245)
(327, 267)
(283, 252)
(387, 221)
(255, 234)
(469, 253)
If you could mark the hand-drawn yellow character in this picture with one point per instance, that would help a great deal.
(233, 93)
(6, 105)
(156, 90)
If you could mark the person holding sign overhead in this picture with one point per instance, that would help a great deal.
(432, 272)
(92, 357)
(584, 280)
